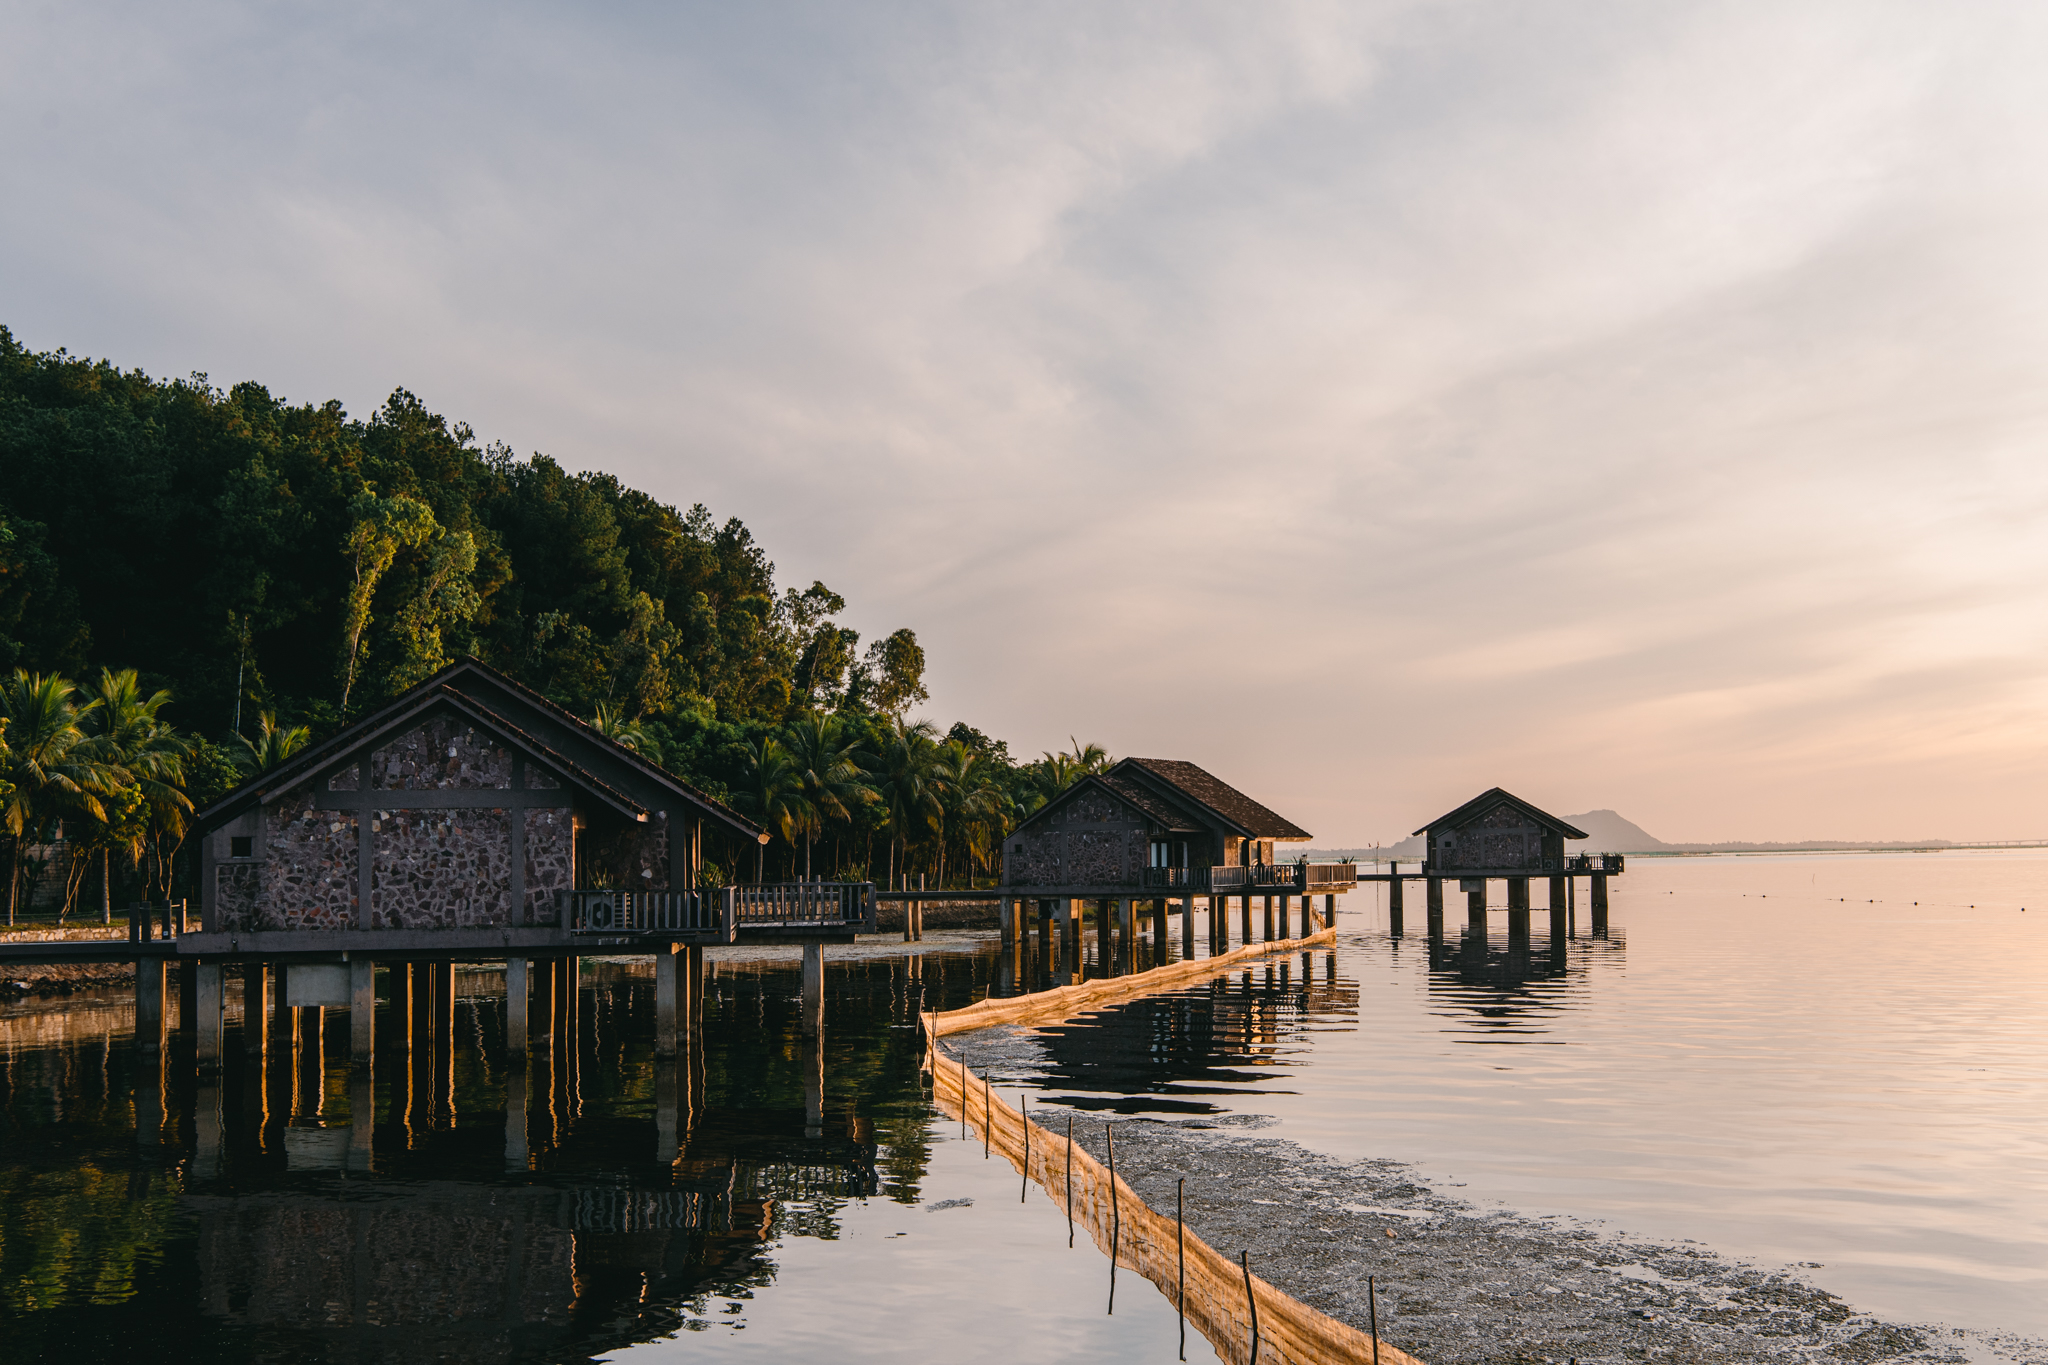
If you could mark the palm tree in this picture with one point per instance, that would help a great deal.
(125, 734)
(273, 744)
(826, 757)
(908, 786)
(972, 804)
(51, 768)
(773, 791)
(612, 723)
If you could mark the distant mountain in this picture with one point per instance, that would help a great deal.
(1610, 833)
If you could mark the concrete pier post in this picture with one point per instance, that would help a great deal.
(255, 1008)
(208, 1009)
(398, 985)
(188, 996)
(1187, 928)
(1518, 924)
(1394, 906)
(1105, 937)
(1005, 926)
(518, 1155)
(1557, 915)
(362, 1010)
(1571, 906)
(1127, 932)
(814, 1086)
(667, 1000)
(1245, 915)
(149, 1006)
(1330, 911)
(284, 1020)
(518, 991)
(444, 1004)
(1270, 932)
(693, 972)
(814, 990)
(1433, 906)
(1599, 905)
(1475, 919)
(544, 993)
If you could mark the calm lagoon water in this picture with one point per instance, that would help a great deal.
(1785, 1058)
(1839, 1059)
(259, 1220)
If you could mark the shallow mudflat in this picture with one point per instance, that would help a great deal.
(1458, 1284)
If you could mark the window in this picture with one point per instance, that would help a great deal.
(1160, 853)
(241, 845)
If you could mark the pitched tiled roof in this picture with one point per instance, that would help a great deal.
(1157, 808)
(1227, 801)
(1492, 796)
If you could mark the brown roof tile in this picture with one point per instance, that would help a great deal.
(1227, 801)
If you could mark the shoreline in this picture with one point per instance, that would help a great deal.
(1461, 1286)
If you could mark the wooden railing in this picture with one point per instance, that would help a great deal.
(167, 915)
(1278, 877)
(834, 904)
(1586, 864)
(719, 911)
(647, 912)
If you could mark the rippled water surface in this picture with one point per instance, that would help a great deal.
(1838, 1059)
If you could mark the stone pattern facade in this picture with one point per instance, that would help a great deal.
(1501, 840)
(441, 869)
(236, 886)
(438, 754)
(1091, 840)
(550, 860)
(309, 869)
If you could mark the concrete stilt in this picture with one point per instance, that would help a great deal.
(362, 1010)
(1187, 928)
(149, 1007)
(255, 1008)
(1557, 916)
(814, 990)
(1007, 927)
(518, 991)
(1518, 924)
(1475, 921)
(1433, 907)
(544, 994)
(208, 1010)
(188, 997)
(398, 985)
(1245, 914)
(667, 1000)
(1599, 905)
(1394, 906)
(1270, 935)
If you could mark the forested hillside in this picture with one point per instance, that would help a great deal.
(276, 565)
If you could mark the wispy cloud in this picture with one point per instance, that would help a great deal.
(1634, 407)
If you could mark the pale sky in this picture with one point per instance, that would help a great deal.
(1634, 406)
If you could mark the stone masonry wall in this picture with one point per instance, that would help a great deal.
(441, 753)
(441, 869)
(309, 872)
(1091, 840)
(235, 892)
(550, 861)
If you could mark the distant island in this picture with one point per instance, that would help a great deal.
(1613, 833)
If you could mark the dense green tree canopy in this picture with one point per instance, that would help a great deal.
(280, 568)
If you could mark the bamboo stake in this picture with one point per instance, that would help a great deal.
(1115, 1217)
(988, 1116)
(1024, 1186)
(1180, 1237)
(1372, 1306)
(1070, 1182)
(1245, 1259)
